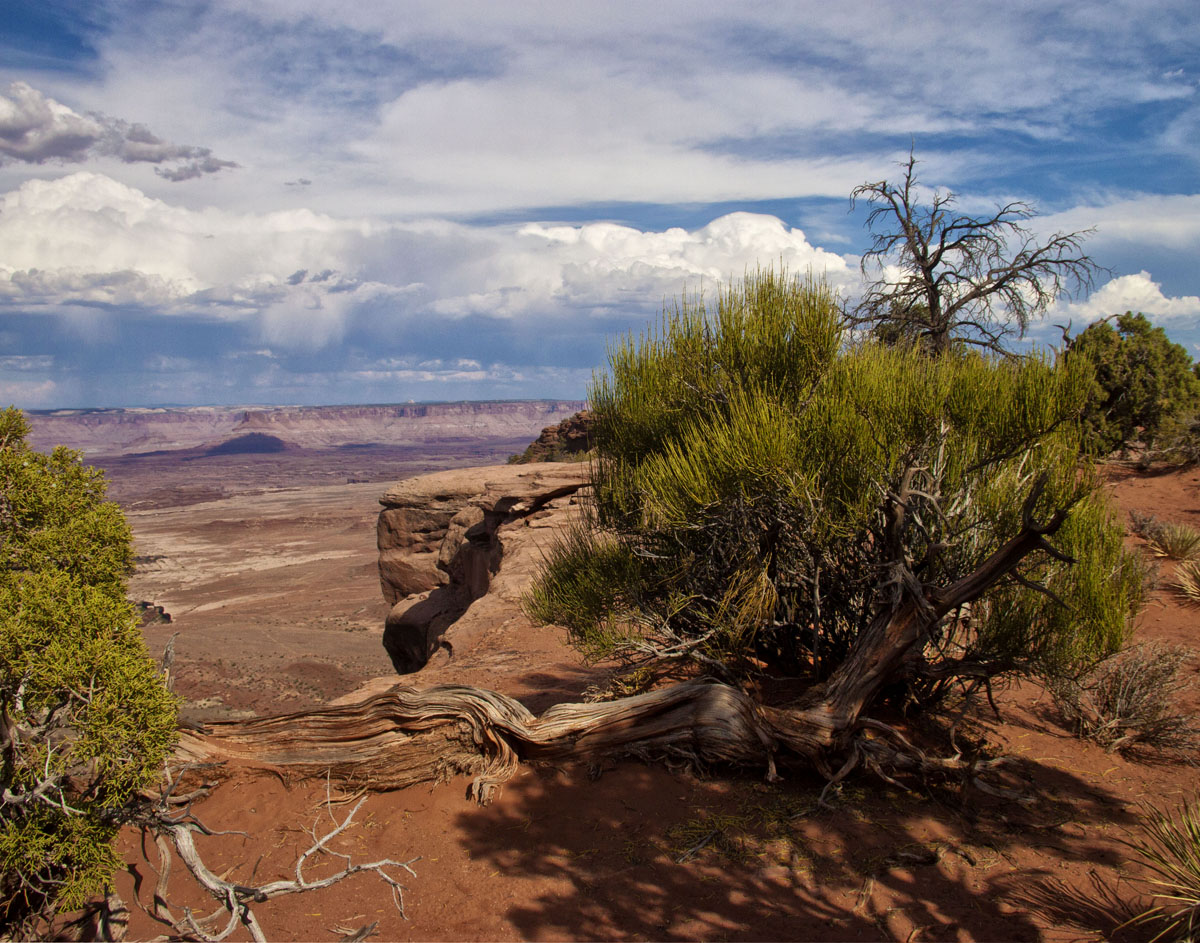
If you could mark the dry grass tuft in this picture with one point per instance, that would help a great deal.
(1187, 580)
(1174, 541)
(1170, 849)
(1129, 702)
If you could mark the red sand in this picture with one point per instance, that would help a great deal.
(643, 853)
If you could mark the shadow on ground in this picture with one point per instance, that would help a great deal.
(643, 853)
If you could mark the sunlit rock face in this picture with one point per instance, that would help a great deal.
(455, 545)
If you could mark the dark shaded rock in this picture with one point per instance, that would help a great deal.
(253, 443)
(150, 614)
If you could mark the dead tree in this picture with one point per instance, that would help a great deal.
(405, 736)
(966, 279)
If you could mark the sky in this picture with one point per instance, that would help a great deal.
(308, 202)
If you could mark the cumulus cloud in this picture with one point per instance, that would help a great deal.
(35, 129)
(1139, 292)
(304, 278)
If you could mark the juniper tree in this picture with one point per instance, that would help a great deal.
(85, 718)
(1143, 384)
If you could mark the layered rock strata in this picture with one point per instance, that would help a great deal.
(457, 550)
(131, 431)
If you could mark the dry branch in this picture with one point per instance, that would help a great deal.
(235, 900)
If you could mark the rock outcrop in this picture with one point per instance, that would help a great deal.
(569, 441)
(458, 548)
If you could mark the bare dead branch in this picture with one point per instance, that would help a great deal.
(975, 280)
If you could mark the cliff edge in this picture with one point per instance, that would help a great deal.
(458, 548)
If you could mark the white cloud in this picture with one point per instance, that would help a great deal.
(302, 277)
(1171, 221)
(35, 129)
(1139, 292)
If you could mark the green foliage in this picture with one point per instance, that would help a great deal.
(85, 720)
(1143, 385)
(592, 583)
(747, 475)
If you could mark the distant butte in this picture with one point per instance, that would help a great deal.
(219, 430)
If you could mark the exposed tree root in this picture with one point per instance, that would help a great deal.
(174, 830)
(404, 736)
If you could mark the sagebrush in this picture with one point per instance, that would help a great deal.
(1131, 702)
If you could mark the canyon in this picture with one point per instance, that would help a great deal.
(307, 576)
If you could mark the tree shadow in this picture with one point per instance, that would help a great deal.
(644, 853)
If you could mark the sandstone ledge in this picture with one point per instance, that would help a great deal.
(458, 548)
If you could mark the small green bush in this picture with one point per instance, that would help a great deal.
(1142, 386)
(85, 719)
(748, 458)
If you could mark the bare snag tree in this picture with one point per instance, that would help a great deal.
(940, 277)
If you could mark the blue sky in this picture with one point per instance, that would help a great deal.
(297, 201)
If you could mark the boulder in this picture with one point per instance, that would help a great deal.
(450, 540)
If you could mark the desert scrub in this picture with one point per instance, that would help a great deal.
(1173, 541)
(85, 718)
(765, 484)
(1130, 702)
(1170, 850)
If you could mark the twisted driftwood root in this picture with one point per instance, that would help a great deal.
(404, 736)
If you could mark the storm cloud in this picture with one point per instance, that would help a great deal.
(35, 129)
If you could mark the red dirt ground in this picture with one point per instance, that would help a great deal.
(634, 852)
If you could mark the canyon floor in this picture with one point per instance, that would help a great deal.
(267, 565)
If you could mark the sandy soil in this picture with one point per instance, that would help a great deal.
(275, 585)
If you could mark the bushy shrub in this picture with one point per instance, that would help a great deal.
(763, 487)
(1131, 702)
(85, 719)
(1142, 386)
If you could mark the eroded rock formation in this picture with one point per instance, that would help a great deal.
(569, 441)
(458, 548)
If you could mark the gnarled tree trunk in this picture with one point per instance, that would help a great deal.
(405, 736)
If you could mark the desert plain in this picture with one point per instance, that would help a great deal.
(268, 566)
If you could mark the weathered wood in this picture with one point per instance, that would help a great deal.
(406, 736)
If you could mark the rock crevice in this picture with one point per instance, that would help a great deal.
(443, 539)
